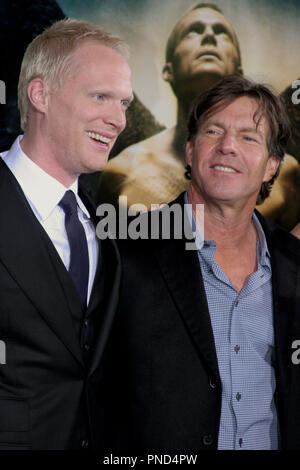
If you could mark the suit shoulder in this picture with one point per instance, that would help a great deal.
(286, 242)
(279, 237)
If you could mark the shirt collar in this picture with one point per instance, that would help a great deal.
(262, 242)
(42, 190)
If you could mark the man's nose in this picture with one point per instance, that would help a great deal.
(227, 144)
(115, 116)
(208, 36)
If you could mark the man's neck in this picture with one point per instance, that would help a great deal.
(39, 152)
(230, 225)
(233, 230)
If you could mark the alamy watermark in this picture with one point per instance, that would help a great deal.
(2, 352)
(161, 222)
(296, 93)
(296, 354)
(2, 92)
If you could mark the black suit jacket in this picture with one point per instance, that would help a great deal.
(49, 383)
(163, 382)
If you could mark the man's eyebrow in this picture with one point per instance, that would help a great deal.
(212, 122)
(254, 130)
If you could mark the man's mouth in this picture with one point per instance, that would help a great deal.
(99, 137)
(208, 53)
(226, 169)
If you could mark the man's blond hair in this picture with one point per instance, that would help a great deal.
(50, 54)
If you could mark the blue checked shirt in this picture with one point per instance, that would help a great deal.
(244, 338)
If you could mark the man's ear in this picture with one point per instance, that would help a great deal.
(189, 147)
(240, 70)
(38, 93)
(271, 168)
(168, 75)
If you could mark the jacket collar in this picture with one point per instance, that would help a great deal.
(181, 271)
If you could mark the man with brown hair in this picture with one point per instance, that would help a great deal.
(207, 335)
(59, 284)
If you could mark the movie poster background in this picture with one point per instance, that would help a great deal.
(268, 32)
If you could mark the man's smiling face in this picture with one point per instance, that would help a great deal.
(230, 158)
(86, 115)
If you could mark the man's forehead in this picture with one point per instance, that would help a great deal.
(91, 54)
(90, 48)
(245, 108)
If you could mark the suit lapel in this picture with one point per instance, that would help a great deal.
(105, 292)
(182, 273)
(96, 292)
(31, 259)
(105, 300)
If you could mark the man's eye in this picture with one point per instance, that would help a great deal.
(220, 29)
(99, 97)
(249, 139)
(197, 28)
(125, 104)
(211, 131)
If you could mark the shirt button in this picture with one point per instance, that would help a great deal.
(238, 396)
(236, 303)
(237, 348)
(207, 440)
(84, 444)
(85, 323)
(86, 347)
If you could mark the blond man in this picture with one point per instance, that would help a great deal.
(74, 89)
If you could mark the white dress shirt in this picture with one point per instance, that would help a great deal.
(43, 192)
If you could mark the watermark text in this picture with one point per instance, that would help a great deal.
(166, 222)
(2, 92)
(2, 352)
(296, 93)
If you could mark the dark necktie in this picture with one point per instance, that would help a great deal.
(79, 256)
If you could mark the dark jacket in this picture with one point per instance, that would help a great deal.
(50, 381)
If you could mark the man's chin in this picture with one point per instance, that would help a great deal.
(202, 78)
(98, 165)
